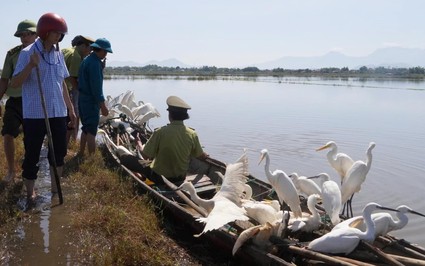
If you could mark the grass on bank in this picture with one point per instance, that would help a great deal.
(110, 224)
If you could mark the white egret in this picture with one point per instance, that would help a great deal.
(261, 234)
(143, 109)
(118, 149)
(345, 240)
(224, 207)
(263, 211)
(384, 222)
(304, 185)
(331, 197)
(125, 110)
(355, 177)
(283, 186)
(341, 162)
(310, 223)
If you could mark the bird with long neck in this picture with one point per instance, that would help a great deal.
(311, 222)
(305, 186)
(384, 222)
(283, 185)
(225, 206)
(356, 175)
(331, 197)
(339, 161)
(345, 240)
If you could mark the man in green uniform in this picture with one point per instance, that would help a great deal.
(172, 146)
(12, 120)
(73, 58)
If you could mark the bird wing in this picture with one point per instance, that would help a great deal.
(331, 196)
(308, 186)
(335, 242)
(234, 180)
(245, 236)
(353, 181)
(342, 164)
(287, 192)
(224, 211)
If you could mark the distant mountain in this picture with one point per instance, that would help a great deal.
(172, 62)
(386, 57)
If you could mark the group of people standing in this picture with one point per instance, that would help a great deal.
(51, 89)
(39, 78)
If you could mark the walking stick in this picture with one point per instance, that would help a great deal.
(49, 137)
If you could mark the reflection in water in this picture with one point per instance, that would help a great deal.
(44, 225)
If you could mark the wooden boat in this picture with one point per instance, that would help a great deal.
(290, 250)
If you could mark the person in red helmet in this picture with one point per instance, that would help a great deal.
(42, 64)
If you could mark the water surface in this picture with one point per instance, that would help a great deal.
(291, 117)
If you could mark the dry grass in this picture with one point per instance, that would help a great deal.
(116, 227)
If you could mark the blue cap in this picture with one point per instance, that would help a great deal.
(102, 43)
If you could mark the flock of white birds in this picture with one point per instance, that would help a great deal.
(233, 201)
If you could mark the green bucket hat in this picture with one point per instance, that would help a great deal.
(102, 43)
(26, 25)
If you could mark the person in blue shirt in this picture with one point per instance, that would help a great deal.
(41, 65)
(91, 99)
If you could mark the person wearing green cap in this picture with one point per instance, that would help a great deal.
(73, 58)
(12, 120)
(171, 147)
(91, 99)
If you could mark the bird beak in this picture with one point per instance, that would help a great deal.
(311, 177)
(261, 158)
(417, 213)
(322, 148)
(388, 209)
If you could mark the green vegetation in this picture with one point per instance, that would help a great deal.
(211, 71)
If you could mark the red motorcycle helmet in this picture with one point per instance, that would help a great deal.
(51, 22)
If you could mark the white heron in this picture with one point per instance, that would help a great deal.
(304, 185)
(263, 211)
(118, 149)
(345, 240)
(341, 162)
(225, 206)
(355, 177)
(261, 234)
(384, 222)
(331, 197)
(310, 223)
(283, 186)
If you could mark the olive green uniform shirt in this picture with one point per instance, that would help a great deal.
(72, 61)
(8, 68)
(172, 146)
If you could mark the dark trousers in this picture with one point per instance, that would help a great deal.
(34, 133)
(132, 163)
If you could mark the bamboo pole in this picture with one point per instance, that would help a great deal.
(407, 260)
(173, 187)
(385, 257)
(407, 249)
(318, 256)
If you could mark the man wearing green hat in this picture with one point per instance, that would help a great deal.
(91, 99)
(171, 147)
(12, 120)
(73, 58)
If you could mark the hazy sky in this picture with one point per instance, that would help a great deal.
(228, 33)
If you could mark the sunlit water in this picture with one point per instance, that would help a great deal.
(291, 117)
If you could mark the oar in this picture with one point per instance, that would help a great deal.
(49, 137)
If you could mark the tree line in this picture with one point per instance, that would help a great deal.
(413, 72)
